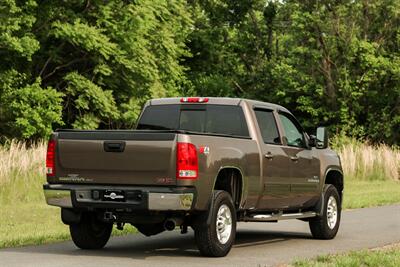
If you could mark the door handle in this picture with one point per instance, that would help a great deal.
(114, 146)
(269, 155)
(294, 158)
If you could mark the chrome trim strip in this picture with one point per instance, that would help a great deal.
(59, 198)
(168, 201)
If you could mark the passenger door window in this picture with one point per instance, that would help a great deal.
(293, 132)
(267, 124)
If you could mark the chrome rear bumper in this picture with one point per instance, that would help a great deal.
(59, 198)
(81, 197)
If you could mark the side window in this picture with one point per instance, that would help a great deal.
(226, 120)
(293, 132)
(269, 130)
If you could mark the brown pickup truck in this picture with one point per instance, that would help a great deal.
(206, 163)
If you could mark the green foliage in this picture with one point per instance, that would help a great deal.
(28, 110)
(91, 102)
(96, 62)
(15, 24)
(331, 63)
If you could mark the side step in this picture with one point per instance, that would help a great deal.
(278, 216)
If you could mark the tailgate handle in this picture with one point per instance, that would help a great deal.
(113, 146)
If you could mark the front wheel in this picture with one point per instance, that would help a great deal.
(327, 225)
(90, 233)
(216, 238)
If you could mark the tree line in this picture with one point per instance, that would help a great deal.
(92, 64)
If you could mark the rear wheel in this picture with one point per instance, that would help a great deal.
(90, 233)
(217, 238)
(327, 225)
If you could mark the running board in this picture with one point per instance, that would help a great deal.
(278, 216)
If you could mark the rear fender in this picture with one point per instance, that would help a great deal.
(241, 193)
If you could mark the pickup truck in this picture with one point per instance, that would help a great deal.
(204, 163)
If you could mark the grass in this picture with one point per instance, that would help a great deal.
(362, 161)
(26, 219)
(362, 194)
(35, 224)
(389, 257)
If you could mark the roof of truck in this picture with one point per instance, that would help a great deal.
(218, 101)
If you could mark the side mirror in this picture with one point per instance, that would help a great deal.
(312, 141)
(321, 141)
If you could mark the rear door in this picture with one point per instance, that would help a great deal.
(275, 163)
(304, 165)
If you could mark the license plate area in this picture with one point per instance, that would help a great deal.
(113, 195)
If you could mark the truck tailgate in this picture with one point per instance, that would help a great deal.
(116, 157)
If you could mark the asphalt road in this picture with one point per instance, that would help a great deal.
(257, 244)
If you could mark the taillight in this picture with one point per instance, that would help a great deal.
(194, 99)
(186, 161)
(50, 158)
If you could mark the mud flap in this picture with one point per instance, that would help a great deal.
(209, 215)
(319, 208)
(69, 216)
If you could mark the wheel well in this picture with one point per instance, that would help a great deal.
(230, 180)
(336, 179)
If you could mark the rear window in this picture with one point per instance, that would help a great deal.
(216, 119)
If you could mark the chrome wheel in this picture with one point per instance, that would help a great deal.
(332, 212)
(224, 224)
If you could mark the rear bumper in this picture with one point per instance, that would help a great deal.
(136, 197)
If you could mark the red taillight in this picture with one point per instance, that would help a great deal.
(186, 161)
(50, 158)
(194, 99)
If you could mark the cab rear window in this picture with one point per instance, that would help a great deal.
(215, 119)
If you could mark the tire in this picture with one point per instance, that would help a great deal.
(325, 226)
(214, 241)
(90, 233)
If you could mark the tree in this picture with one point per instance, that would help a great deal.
(334, 63)
(105, 59)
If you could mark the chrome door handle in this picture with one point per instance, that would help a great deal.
(269, 155)
(294, 158)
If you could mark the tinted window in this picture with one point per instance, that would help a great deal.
(226, 120)
(269, 130)
(192, 120)
(218, 119)
(293, 132)
(162, 117)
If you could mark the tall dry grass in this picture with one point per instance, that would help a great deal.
(22, 171)
(363, 161)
